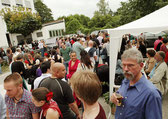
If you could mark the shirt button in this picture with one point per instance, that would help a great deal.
(125, 97)
(120, 113)
(123, 105)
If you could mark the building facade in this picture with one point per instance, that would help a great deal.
(52, 29)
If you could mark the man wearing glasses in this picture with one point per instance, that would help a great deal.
(140, 98)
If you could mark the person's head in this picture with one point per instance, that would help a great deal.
(132, 63)
(58, 70)
(87, 86)
(13, 84)
(160, 37)
(73, 56)
(63, 45)
(87, 37)
(19, 57)
(90, 43)
(80, 41)
(29, 56)
(159, 56)
(85, 59)
(39, 96)
(46, 54)
(45, 67)
(9, 51)
(165, 41)
(18, 50)
(150, 53)
(53, 52)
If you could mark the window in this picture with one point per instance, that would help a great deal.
(39, 34)
(56, 33)
(53, 33)
(50, 33)
(19, 3)
(59, 33)
(6, 2)
(27, 4)
(62, 30)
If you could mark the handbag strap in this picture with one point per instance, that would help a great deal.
(60, 86)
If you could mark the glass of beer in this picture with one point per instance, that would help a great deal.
(119, 98)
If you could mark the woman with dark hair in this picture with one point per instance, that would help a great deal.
(85, 62)
(164, 45)
(150, 62)
(55, 55)
(42, 97)
(142, 48)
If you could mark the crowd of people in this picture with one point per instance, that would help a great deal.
(50, 73)
(69, 76)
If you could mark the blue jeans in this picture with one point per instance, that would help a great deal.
(66, 65)
(66, 68)
(42, 52)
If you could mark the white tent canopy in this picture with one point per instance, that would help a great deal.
(153, 23)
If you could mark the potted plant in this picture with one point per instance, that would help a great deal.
(112, 105)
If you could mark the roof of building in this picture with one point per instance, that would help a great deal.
(53, 22)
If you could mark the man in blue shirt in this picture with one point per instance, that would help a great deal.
(141, 99)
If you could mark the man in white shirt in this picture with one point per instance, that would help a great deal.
(91, 51)
(45, 68)
(41, 47)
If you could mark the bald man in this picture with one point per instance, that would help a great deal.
(62, 91)
(91, 51)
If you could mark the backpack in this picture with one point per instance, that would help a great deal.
(158, 46)
(91, 51)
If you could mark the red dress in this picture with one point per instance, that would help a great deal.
(52, 105)
(72, 69)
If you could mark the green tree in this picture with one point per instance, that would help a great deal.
(135, 9)
(103, 7)
(21, 20)
(73, 26)
(44, 11)
(82, 20)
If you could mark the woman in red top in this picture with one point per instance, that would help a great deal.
(42, 97)
(73, 64)
(29, 60)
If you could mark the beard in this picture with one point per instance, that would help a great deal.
(129, 75)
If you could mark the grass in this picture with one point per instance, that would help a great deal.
(4, 67)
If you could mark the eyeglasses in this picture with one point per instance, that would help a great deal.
(129, 66)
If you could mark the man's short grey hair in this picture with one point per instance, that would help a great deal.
(90, 42)
(162, 54)
(132, 53)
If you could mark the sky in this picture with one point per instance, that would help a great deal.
(85, 7)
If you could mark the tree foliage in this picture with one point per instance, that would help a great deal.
(21, 20)
(135, 9)
(105, 18)
(44, 11)
(103, 7)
